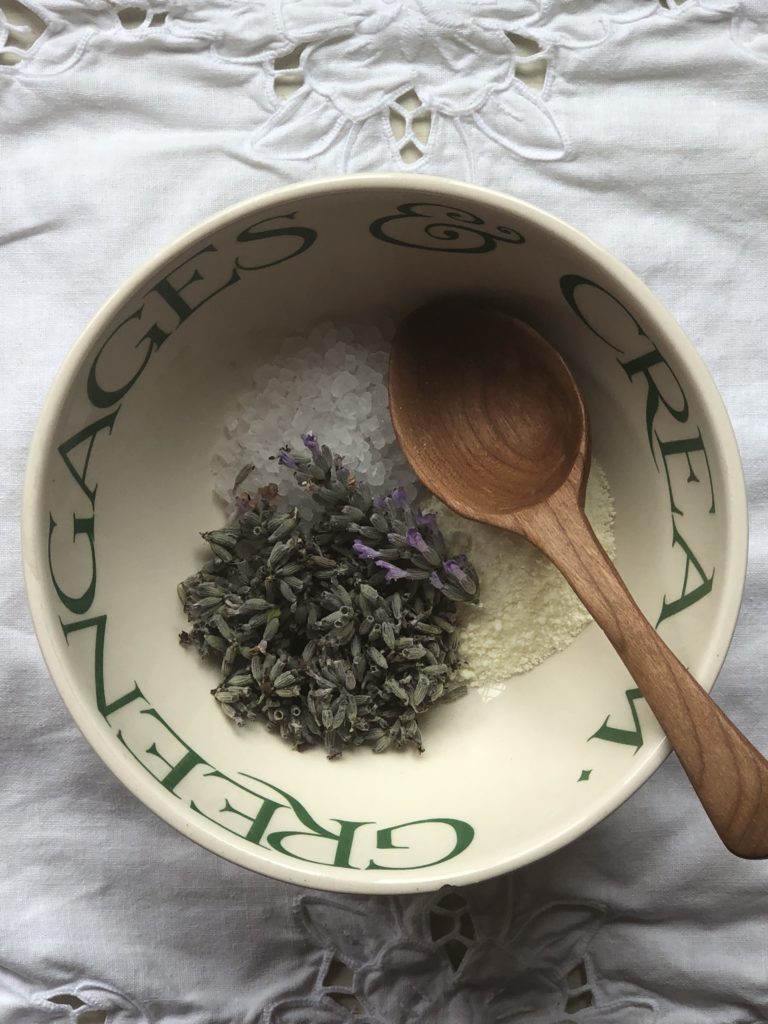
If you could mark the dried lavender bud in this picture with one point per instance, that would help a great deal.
(344, 635)
(215, 643)
(377, 658)
(283, 526)
(228, 661)
(369, 593)
(422, 689)
(271, 628)
(413, 653)
(388, 634)
(225, 697)
(463, 573)
(243, 475)
(222, 553)
(276, 669)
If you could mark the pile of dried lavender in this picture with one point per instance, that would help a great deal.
(339, 631)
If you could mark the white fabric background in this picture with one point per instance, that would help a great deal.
(650, 135)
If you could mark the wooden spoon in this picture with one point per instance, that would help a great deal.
(494, 424)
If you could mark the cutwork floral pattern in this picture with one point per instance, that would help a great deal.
(82, 1002)
(748, 21)
(457, 58)
(48, 38)
(399, 967)
(16, 38)
(457, 61)
(25, 29)
(380, 83)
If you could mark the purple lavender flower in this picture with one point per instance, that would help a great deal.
(436, 582)
(428, 519)
(243, 503)
(415, 540)
(427, 552)
(399, 497)
(394, 572)
(285, 458)
(311, 442)
(363, 551)
(455, 567)
(379, 502)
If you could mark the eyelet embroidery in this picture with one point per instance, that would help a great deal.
(82, 1002)
(20, 28)
(140, 18)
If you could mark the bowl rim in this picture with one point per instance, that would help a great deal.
(168, 807)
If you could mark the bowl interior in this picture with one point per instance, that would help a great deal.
(120, 486)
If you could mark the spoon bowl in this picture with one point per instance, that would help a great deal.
(517, 424)
(493, 422)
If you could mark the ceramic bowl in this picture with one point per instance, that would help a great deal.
(119, 486)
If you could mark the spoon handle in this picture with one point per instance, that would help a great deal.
(729, 775)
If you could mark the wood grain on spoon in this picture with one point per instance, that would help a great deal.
(493, 423)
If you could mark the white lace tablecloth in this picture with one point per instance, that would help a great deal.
(643, 122)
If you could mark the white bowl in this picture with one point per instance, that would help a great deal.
(118, 487)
